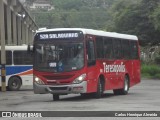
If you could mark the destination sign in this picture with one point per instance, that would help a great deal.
(45, 36)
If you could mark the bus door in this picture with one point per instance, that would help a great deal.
(91, 65)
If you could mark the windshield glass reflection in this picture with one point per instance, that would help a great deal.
(59, 57)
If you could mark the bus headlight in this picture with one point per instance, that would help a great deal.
(79, 79)
(38, 80)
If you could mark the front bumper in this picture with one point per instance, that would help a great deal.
(60, 89)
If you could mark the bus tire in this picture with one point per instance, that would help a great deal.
(55, 97)
(14, 83)
(100, 90)
(84, 94)
(125, 89)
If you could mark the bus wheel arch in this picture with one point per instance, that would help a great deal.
(14, 83)
(100, 87)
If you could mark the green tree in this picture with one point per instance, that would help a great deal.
(136, 19)
(156, 18)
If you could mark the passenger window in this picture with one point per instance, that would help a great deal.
(22, 58)
(126, 49)
(134, 50)
(117, 48)
(8, 57)
(99, 47)
(108, 48)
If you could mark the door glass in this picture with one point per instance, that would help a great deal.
(91, 53)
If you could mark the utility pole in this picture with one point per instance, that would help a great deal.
(3, 53)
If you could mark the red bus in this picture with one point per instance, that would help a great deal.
(76, 60)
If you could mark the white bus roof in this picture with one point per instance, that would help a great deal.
(22, 47)
(94, 32)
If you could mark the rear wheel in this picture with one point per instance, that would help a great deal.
(125, 89)
(55, 97)
(14, 83)
(100, 89)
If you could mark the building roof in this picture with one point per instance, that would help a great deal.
(42, 2)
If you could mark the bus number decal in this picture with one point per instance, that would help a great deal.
(52, 64)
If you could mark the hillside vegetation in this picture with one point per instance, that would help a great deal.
(138, 17)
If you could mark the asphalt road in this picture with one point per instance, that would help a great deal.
(142, 97)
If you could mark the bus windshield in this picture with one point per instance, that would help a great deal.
(59, 57)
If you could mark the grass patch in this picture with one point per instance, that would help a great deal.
(150, 71)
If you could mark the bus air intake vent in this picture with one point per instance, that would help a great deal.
(58, 88)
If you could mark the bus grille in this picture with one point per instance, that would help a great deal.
(58, 77)
(55, 83)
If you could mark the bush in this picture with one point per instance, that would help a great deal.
(157, 60)
(157, 76)
(146, 75)
(150, 71)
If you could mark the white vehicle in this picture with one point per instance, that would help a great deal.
(18, 67)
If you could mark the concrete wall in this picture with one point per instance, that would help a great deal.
(16, 28)
(16, 24)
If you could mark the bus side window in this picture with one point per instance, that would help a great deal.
(8, 57)
(91, 53)
(126, 53)
(22, 58)
(99, 47)
(108, 48)
(134, 50)
(117, 48)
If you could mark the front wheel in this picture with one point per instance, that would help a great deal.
(125, 89)
(84, 94)
(14, 83)
(55, 97)
(100, 90)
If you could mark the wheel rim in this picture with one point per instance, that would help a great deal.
(126, 85)
(14, 84)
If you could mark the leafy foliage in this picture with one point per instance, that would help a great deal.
(156, 17)
(138, 17)
(150, 71)
(75, 13)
